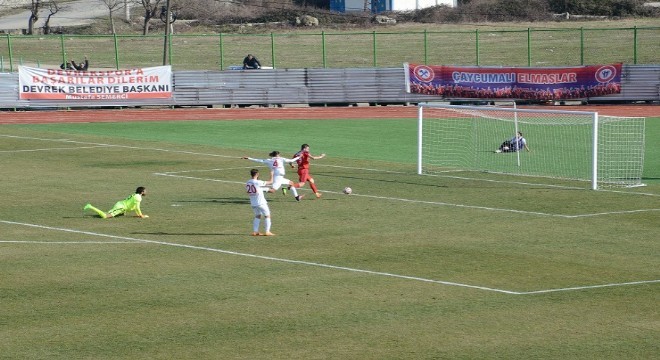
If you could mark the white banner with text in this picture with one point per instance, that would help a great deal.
(56, 84)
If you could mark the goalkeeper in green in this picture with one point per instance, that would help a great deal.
(131, 203)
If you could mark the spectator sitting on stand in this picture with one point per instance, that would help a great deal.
(251, 62)
(66, 66)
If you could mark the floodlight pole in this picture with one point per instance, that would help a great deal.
(167, 31)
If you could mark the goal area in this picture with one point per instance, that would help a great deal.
(597, 151)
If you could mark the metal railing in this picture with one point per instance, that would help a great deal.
(519, 47)
(310, 86)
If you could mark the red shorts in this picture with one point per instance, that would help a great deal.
(303, 175)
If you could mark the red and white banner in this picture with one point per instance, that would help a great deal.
(554, 83)
(56, 84)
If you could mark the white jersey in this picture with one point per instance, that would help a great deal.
(255, 189)
(275, 164)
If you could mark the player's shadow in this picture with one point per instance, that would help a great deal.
(89, 216)
(223, 201)
(397, 181)
(162, 233)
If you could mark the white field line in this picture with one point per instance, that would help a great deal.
(590, 287)
(64, 242)
(198, 178)
(119, 146)
(379, 197)
(489, 180)
(612, 213)
(54, 149)
(203, 170)
(321, 165)
(270, 258)
(505, 210)
(439, 203)
(364, 169)
(333, 267)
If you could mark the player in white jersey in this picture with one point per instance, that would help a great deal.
(276, 166)
(255, 189)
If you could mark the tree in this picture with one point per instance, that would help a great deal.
(35, 6)
(53, 8)
(151, 9)
(113, 6)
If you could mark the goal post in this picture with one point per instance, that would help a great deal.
(604, 151)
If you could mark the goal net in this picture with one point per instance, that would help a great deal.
(602, 151)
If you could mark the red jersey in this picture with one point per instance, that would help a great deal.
(303, 161)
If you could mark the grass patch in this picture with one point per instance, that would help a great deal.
(407, 267)
(501, 44)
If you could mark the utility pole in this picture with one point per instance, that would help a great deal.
(168, 21)
(127, 10)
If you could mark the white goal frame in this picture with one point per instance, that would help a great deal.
(636, 139)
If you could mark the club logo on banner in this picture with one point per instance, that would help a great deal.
(56, 84)
(424, 73)
(514, 83)
(607, 73)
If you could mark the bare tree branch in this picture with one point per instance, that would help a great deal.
(151, 10)
(113, 6)
(53, 8)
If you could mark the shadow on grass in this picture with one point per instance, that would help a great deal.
(228, 201)
(187, 234)
(372, 179)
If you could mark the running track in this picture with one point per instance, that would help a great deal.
(371, 112)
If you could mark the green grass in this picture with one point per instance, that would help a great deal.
(506, 44)
(189, 283)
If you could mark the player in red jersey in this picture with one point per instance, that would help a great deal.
(303, 167)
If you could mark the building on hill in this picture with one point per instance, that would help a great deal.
(377, 6)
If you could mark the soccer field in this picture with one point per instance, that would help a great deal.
(460, 266)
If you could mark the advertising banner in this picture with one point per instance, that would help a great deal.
(556, 83)
(57, 84)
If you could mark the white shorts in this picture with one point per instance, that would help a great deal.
(278, 181)
(261, 210)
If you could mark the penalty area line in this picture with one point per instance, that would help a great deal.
(262, 257)
(383, 197)
(321, 165)
(438, 203)
(531, 184)
(590, 287)
(199, 178)
(54, 149)
(64, 242)
(334, 267)
(169, 173)
(93, 144)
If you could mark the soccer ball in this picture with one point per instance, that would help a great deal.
(348, 190)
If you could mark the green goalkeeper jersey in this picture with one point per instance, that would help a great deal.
(131, 203)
